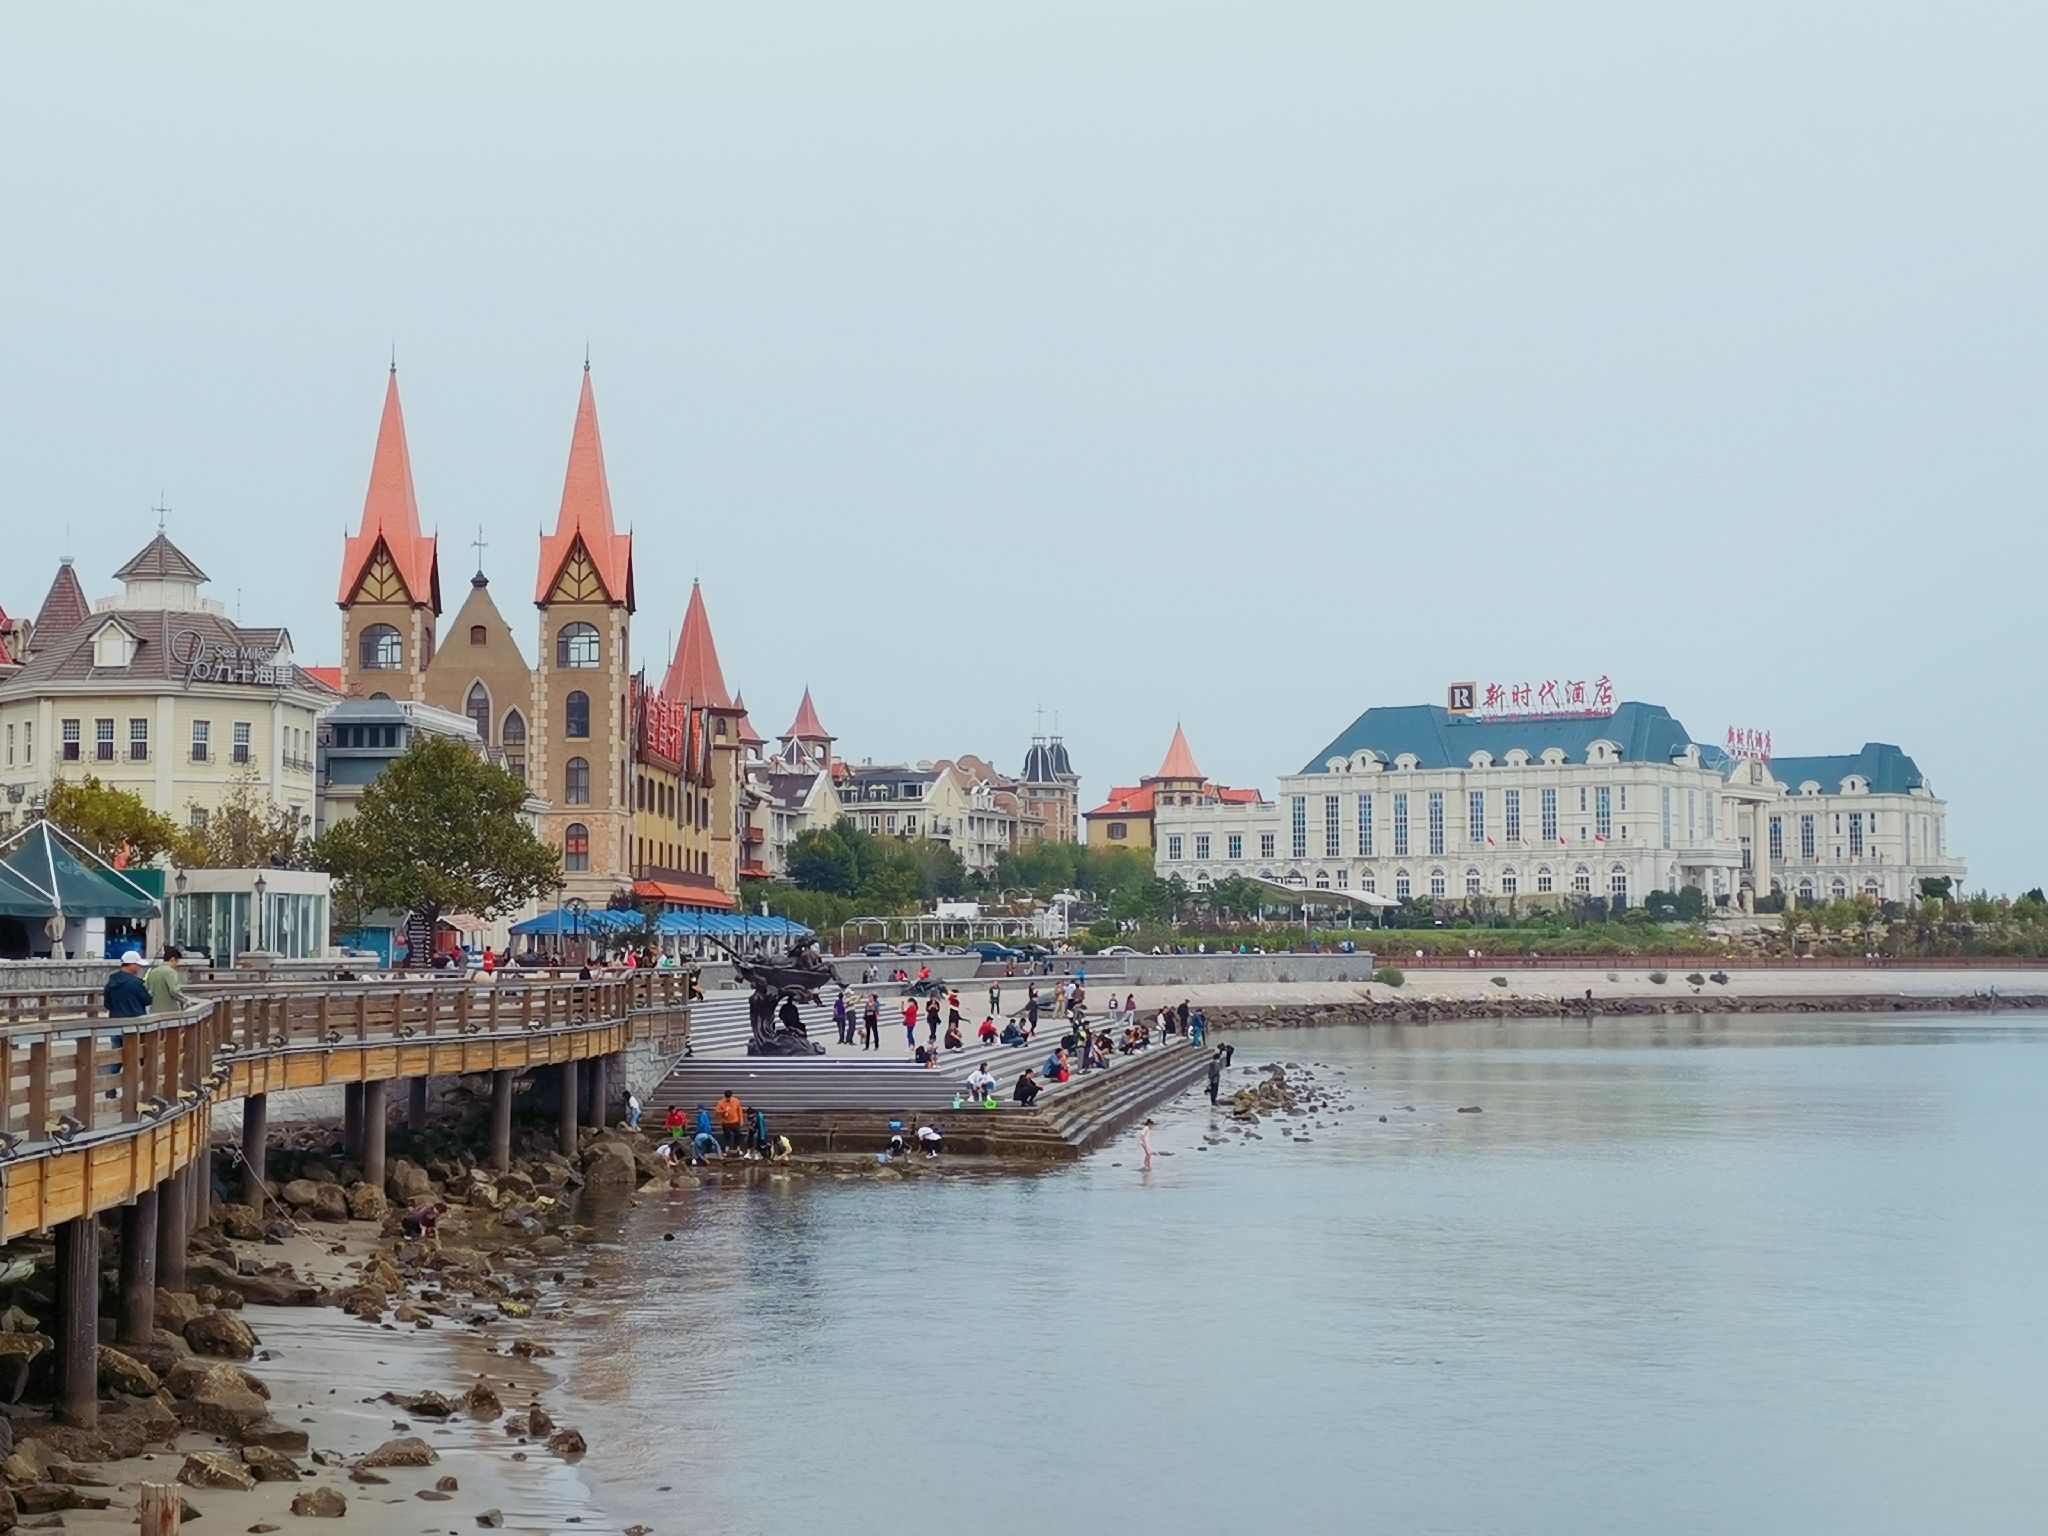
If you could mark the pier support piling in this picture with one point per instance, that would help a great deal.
(170, 1233)
(255, 1134)
(137, 1311)
(352, 1120)
(78, 1322)
(376, 1120)
(568, 1114)
(501, 1119)
(416, 1105)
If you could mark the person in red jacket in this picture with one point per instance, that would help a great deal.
(910, 1022)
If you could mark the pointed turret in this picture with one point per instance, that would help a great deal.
(1180, 762)
(748, 736)
(693, 676)
(64, 606)
(807, 726)
(586, 520)
(391, 518)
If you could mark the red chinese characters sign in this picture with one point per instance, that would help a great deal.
(1554, 696)
(1748, 744)
(661, 726)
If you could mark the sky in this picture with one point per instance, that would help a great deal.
(1243, 366)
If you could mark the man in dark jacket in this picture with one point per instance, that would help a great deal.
(126, 996)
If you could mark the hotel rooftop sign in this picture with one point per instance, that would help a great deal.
(209, 661)
(1522, 701)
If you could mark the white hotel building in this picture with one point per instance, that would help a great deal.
(1415, 802)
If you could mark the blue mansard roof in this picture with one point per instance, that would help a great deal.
(1439, 739)
(1885, 767)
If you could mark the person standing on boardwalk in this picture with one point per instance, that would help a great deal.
(910, 1023)
(166, 986)
(842, 1018)
(871, 1024)
(1182, 1013)
(931, 1019)
(953, 1011)
(1145, 1141)
(995, 998)
(1215, 1074)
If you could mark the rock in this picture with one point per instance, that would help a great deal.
(42, 1498)
(189, 1376)
(566, 1442)
(260, 1529)
(407, 1182)
(517, 1184)
(21, 1348)
(482, 1402)
(429, 1405)
(329, 1204)
(264, 1290)
(174, 1309)
(364, 1301)
(446, 1485)
(366, 1202)
(537, 1421)
(270, 1466)
(242, 1221)
(526, 1349)
(269, 1434)
(368, 1478)
(124, 1373)
(610, 1165)
(75, 1477)
(406, 1312)
(320, 1503)
(491, 1519)
(214, 1469)
(220, 1334)
(299, 1193)
(411, 1451)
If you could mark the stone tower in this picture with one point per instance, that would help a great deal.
(581, 758)
(390, 577)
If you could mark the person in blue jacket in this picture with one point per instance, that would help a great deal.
(127, 996)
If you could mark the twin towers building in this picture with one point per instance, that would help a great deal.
(642, 785)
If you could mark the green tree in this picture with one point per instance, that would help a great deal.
(107, 820)
(826, 859)
(438, 831)
(248, 830)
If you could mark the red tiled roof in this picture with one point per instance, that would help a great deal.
(1126, 802)
(64, 605)
(683, 895)
(587, 514)
(755, 872)
(1234, 796)
(1180, 762)
(807, 726)
(694, 676)
(392, 514)
(331, 676)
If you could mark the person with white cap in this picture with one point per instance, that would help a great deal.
(126, 996)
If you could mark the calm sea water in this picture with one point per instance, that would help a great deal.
(1759, 1274)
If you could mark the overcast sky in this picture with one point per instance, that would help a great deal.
(1248, 365)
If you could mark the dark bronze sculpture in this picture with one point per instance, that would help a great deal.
(779, 985)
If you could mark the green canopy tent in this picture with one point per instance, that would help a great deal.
(43, 865)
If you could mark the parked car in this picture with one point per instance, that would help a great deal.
(915, 948)
(876, 951)
(991, 951)
(1117, 949)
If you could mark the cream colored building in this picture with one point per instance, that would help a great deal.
(1417, 803)
(158, 692)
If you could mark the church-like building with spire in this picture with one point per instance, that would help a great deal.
(640, 785)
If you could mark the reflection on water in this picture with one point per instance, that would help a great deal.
(1679, 1275)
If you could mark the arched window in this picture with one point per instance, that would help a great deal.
(1839, 890)
(1510, 882)
(478, 635)
(1437, 886)
(1582, 881)
(380, 695)
(382, 649)
(1545, 881)
(1617, 885)
(1872, 890)
(576, 712)
(478, 708)
(513, 739)
(576, 647)
(576, 781)
(1472, 882)
(1402, 888)
(575, 847)
(1805, 892)
(1322, 879)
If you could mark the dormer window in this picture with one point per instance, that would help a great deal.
(112, 647)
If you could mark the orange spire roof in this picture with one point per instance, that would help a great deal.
(694, 676)
(587, 514)
(1180, 762)
(807, 726)
(391, 514)
(745, 730)
(64, 605)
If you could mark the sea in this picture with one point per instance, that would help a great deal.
(1684, 1274)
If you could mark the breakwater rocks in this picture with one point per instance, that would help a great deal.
(1288, 1099)
(1687, 1000)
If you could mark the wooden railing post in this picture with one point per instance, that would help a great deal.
(85, 1090)
(38, 1085)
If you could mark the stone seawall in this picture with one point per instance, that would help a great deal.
(1450, 1010)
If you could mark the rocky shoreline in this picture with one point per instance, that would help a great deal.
(1395, 1009)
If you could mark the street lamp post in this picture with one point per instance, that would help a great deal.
(256, 925)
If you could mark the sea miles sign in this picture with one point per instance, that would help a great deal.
(209, 661)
